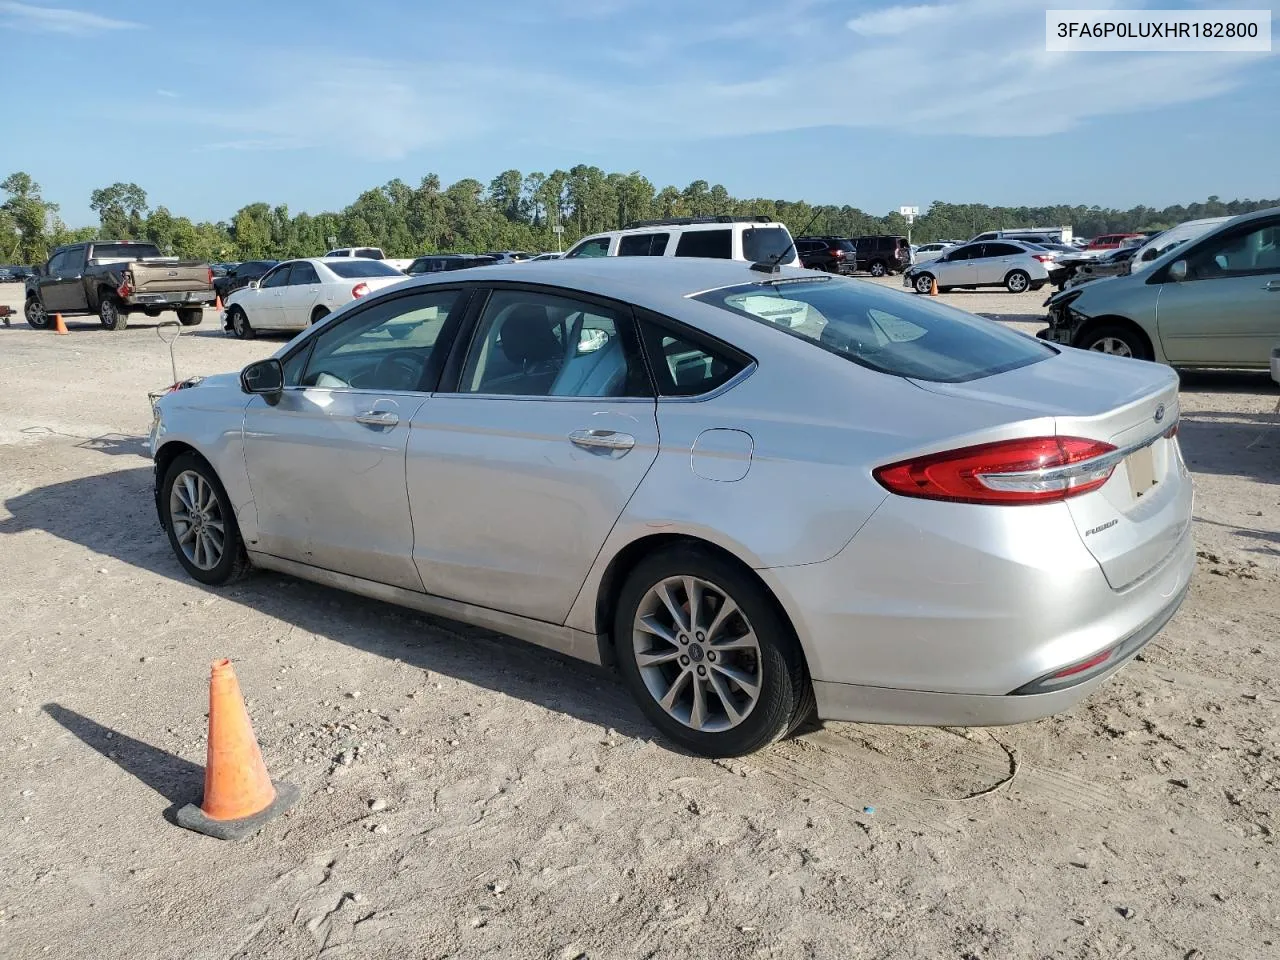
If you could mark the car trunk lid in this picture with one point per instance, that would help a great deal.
(1134, 521)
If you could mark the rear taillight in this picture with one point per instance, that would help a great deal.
(838, 254)
(1010, 472)
(359, 290)
(211, 276)
(1042, 257)
(125, 289)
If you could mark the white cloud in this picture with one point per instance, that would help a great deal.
(25, 16)
(167, 93)
(893, 21)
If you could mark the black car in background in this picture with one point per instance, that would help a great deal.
(437, 262)
(832, 254)
(239, 276)
(879, 255)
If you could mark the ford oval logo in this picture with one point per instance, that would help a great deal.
(1159, 413)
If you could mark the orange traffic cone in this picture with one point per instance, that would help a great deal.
(238, 794)
(933, 287)
(217, 303)
(59, 327)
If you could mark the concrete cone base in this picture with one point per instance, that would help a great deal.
(193, 818)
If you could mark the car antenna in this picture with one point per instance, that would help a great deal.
(774, 265)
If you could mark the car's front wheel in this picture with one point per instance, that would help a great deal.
(708, 655)
(240, 325)
(37, 318)
(923, 283)
(1117, 339)
(201, 523)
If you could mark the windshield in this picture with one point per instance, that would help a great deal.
(124, 251)
(882, 329)
(355, 268)
(767, 244)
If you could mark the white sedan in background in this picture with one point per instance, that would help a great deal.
(930, 251)
(298, 293)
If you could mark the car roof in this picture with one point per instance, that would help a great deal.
(668, 227)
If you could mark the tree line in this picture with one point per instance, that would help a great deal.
(515, 211)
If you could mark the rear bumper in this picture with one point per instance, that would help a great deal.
(177, 298)
(865, 704)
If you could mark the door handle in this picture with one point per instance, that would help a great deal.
(602, 440)
(378, 418)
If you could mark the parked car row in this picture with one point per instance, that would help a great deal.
(15, 274)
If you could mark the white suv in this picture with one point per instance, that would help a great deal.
(753, 239)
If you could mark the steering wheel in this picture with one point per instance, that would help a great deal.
(400, 370)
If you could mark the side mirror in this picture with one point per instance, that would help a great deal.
(1178, 271)
(264, 377)
(253, 284)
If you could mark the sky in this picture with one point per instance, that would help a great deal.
(877, 105)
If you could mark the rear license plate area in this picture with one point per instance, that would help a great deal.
(1141, 467)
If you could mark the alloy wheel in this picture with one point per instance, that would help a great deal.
(196, 515)
(1112, 345)
(697, 654)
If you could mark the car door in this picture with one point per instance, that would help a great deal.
(62, 286)
(956, 268)
(299, 296)
(520, 466)
(326, 463)
(986, 263)
(264, 305)
(1227, 310)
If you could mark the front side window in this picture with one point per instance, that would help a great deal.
(717, 244)
(58, 265)
(278, 277)
(595, 247)
(390, 345)
(883, 331)
(537, 345)
(643, 245)
(1248, 250)
(963, 253)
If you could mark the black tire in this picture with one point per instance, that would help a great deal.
(923, 283)
(234, 562)
(1117, 339)
(190, 317)
(36, 316)
(112, 314)
(785, 696)
(240, 325)
(1038, 285)
(945, 289)
(1017, 281)
(877, 268)
(318, 314)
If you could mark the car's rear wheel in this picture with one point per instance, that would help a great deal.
(877, 268)
(201, 523)
(240, 325)
(1017, 281)
(37, 318)
(190, 317)
(708, 655)
(1117, 339)
(923, 283)
(319, 313)
(111, 314)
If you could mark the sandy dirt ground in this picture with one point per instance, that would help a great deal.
(468, 796)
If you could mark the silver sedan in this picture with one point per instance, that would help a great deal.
(756, 492)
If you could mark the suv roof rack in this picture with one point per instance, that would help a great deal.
(686, 221)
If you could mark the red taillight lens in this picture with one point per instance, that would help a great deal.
(838, 254)
(211, 276)
(126, 286)
(1010, 472)
(1082, 666)
(1042, 257)
(359, 290)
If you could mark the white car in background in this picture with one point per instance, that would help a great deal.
(930, 251)
(1017, 267)
(298, 293)
(370, 253)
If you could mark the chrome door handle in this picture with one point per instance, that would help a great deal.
(602, 440)
(378, 418)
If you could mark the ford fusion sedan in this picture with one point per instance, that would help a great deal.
(298, 293)
(1213, 301)
(755, 491)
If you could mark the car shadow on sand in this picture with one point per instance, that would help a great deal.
(114, 514)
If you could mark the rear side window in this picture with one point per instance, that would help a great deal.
(684, 364)
(596, 247)
(355, 269)
(303, 273)
(1001, 250)
(369, 252)
(883, 331)
(643, 245)
(717, 244)
(767, 244)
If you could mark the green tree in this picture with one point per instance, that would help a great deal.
(31, 218)
(120, 208)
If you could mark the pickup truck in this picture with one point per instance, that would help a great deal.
(114, 279)
(370, 253)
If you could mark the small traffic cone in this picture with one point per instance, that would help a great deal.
(217, 303)
(59, 327)
(239, 796)
(933, 287)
